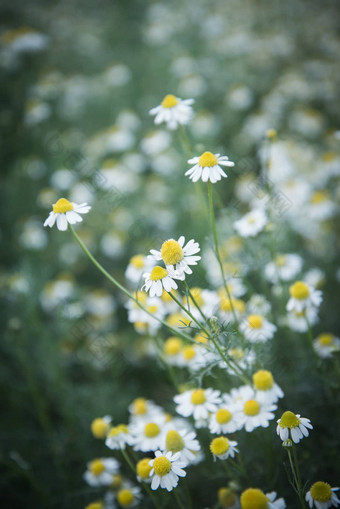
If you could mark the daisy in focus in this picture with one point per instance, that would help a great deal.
(322, 496)
(251, 224)
(158, 280)
(165, 470)
(208, 167)
(254, 498)
(173, 111)
(326, 344)
(177, 256)
(65, 212)
(303, 296)
(293, 426)
(257, 329)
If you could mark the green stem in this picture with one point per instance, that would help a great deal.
(195, 303)
(298, 478)
(184, 141)
(309, 331)
(200, 326)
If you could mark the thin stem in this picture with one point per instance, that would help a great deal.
(184, 141)
(122, 288)
(309, 331)
(195, 303)
(300, 492)
(189, 314)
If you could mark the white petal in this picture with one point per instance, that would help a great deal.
(61, 222)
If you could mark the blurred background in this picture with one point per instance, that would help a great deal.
(77, 82)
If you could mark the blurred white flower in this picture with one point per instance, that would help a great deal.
(173, 111)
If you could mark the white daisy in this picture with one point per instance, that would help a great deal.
(251, 224)
(129, 496)
(100, 426)
(223, 448)
(206, 300)
(65, 212)
(172, 351)
(297, 320)
(326, 344)
(267, 390)
(177, 256)
(159, 279)
(197, 402)
(226, 309)
(166, 469)
(284, 268)
(148, 436)
(143, 470)
(138, 265)
(193, 357)
(257, 329)
(251, 412)
(184, 442)
(258, 305)
(303, 296)
(173, 111)
(118, 437)
(100, 472)
(223, 420)
(293, 425)
(207, 167)
(255, 498)
(322, 496)
(153, 304)
(142, 409)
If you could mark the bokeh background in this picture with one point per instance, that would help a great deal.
(77, 82)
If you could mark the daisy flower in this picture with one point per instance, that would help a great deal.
(253, 498)
(206, 300)
(251, 224)
(100, 426)
(223, 420)
(177, 256)
(225, 311)
(303, 296)
(266, 389)
(322, 496)
(173, 111)
(159, 279)
(184, 442)
(222, 448)
(166, 469)
(100, 472)
(193, 357)
(257, 329)
(143, 469)
(252, 413)
(129, 496)
(284, 268)
(197, 402)
(293, 425)
(172, 351)
(138, 264)
(142, 409)
(66, 212)
(227, 498)
(207, 167)
(118, 437)
(152, 304)
(326, 344)
(148, 436)
(297, 320)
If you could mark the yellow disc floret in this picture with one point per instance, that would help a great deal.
(207, 159)
(198, 397)
(326, 339)
(280, 260)
(251, 407)
(62, 206)
(162, 466)
(143, 468)
(158, 273)
(151, 430)
(99, 428)
(219, 446)
(321, 491)
(255, 321)
(299, 290)
(189, 352)
(253, 499)
(125, 497)
(174, 442)
(172, 346)
(117, 482)
(171, 252)
(118, 430)
(96, 467)
(137, 261)
(226, 497)
(289, 420)
(139, 406)
(169, 101)
(95, 505)
(263, 380)
(223, 416)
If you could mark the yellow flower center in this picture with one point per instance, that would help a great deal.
(223, 416)
(251, 407)
(198, 397)
(200, 339)
(141, 297)
(139, 406)
(62, 206)
(137, 261)
(117, 482)
(299, 290)
(97, 467)
(197, 296)
(151, 430)
(169, 101)
(289, 420)
(226, 497)
(162, 466)
(143, 468)
(219, 445)
(280, 260)
(166, 296)
(253, 499)
(188, 353)
(207, 159)
(152, 309)
(172, 346)
(255, 321)
(95, 505)
(237, 353)
(178, 320)
(171, 252)
(263, 380)
(251, 220)
(158, 273)
(238, 305)
(174, 442)
(326, 339)
(125, 498)
(118, 430)
(99, 428)
(321, 491)
(319, 197)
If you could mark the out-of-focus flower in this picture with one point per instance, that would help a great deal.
(303, 296)
(118, 437)
(254, 498)
(207, 167)
(66, 212)
(184, 442)
(100, 472)
(284, 268)
(100, 426)
(129, 496)
(251, 224)
(173, 111)
(266, 388)
(326, 344)
(257, 329)
(197, 402)
(143, 469)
